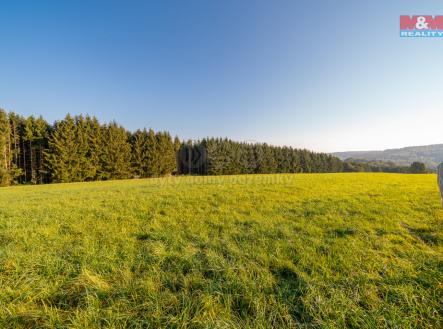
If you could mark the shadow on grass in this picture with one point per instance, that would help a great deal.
(426, 235)
(28, 319)
(290, 289)
(343, 232)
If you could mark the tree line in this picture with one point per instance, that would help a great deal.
(359, 165)
(217, 156)
(80, 148)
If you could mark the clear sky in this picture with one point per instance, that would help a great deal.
(325, 75)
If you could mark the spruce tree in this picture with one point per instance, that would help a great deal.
(138, 141)
(151, 155)
(94, 142)
(116, 152)
(177, 147)
(5, 149)
(165, 154)
(41, 131)
(28, 139)
(62, 156)
(16, 170)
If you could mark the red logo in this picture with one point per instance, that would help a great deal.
(421, 22)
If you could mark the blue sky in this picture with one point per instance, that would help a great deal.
(325, 75)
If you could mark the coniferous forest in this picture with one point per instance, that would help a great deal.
(80, 148)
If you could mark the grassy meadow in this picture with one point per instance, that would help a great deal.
(259, 251)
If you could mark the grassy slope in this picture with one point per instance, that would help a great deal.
(326, 250)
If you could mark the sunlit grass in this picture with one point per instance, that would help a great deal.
(259, 251)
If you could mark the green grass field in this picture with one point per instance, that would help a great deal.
(260, 251)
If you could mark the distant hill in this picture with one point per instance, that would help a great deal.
(431, 155)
